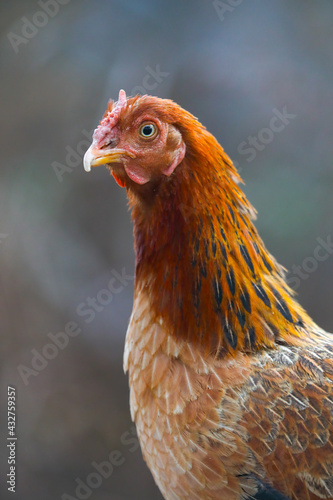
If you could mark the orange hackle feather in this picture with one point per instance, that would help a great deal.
(231, 382)
(214, 282)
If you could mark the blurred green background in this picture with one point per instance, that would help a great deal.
(64, 232)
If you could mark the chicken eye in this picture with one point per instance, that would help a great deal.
(148, 130)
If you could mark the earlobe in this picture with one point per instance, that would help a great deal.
(176, 161)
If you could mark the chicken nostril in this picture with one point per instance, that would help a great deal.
(111, 143)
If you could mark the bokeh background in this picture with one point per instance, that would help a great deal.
(64, 232)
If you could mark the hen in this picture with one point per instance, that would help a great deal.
(231, 382)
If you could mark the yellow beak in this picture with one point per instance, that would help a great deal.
(95, 157)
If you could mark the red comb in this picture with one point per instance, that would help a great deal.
(104, 133)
